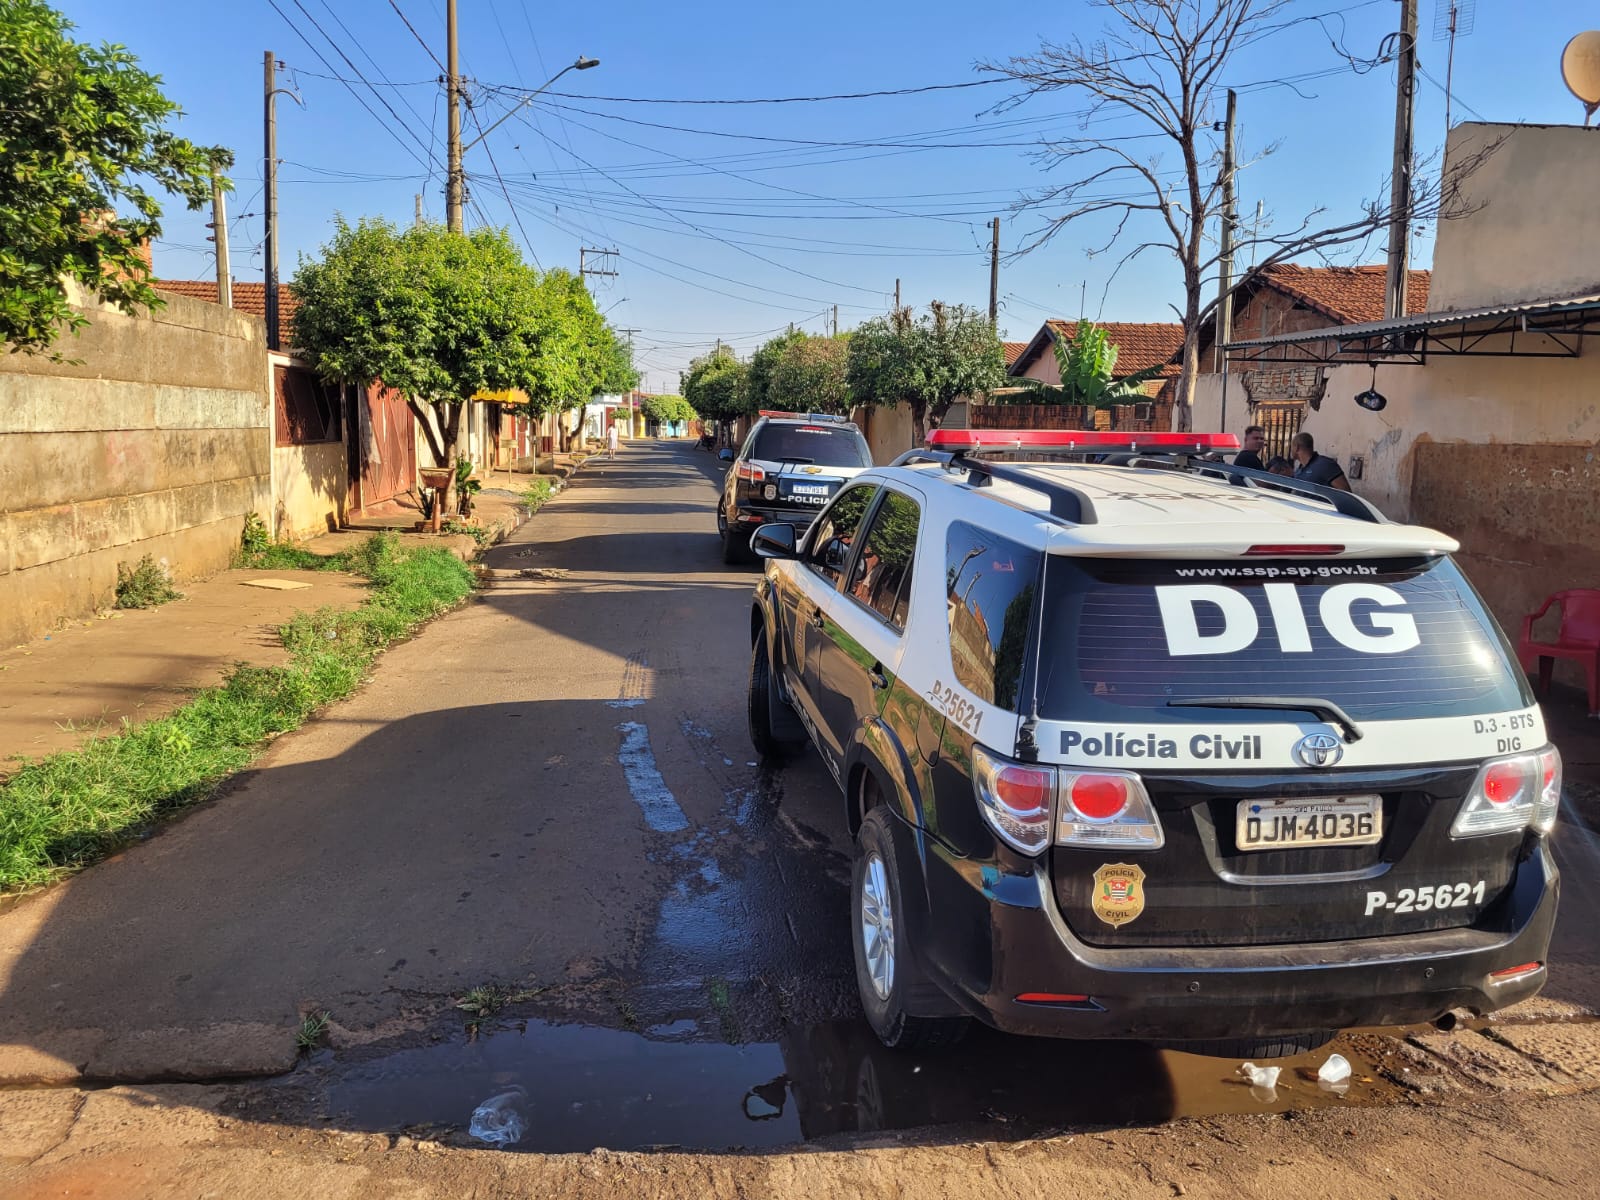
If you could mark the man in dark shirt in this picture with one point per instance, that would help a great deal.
(1317, 468)
(1249, 454)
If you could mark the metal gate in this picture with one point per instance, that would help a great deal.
(1280, 422)
(387, 442)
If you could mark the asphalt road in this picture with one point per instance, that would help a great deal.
(552, 791)
(548, 788)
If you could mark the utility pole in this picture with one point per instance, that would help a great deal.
(419, 210)
(994, 275)
(453, 185)
(897, 295)
(270, 178)
(219, 235)
(1230, 217)
(1394, 304)
(835, 320)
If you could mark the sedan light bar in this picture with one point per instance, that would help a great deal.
(1075, 440)
(800, 416)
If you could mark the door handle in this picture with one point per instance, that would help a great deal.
(879, 679)
(817, 619)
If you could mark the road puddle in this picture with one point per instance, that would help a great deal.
(587, 1087)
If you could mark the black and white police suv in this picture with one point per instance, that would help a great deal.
(1156, 748)
(790, 465)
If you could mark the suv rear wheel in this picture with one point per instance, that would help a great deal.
(735, 543)
(891, 985)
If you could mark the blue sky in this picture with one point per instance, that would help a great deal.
(734, 220)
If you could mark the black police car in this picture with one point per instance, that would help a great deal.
(787, 470)
(1139, 749)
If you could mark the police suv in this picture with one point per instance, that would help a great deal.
(790, 465)
(1155, 747)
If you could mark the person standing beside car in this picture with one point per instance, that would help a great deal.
(1317, 468)
(1255, 437)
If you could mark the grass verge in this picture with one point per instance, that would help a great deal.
(62, 812)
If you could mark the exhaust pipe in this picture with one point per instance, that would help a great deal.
(1455, 1019)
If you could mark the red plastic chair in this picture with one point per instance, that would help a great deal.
(1578, 640)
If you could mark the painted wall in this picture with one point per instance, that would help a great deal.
(888, 431)
(309, 486)
(158, 441)
(1529, 226)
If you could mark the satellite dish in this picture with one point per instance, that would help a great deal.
(1580, 68)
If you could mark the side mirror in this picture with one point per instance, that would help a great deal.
(774, 540)
(725, 455)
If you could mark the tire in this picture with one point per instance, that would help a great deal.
(733, 553)
(1283, 1045)
(775, 731)
(905, 1009)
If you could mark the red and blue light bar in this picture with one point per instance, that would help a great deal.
(1079, 439)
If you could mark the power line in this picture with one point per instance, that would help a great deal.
(515, 216)
(420, 41)
(908, 91)
(358, 97)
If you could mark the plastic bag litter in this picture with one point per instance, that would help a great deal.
(1335, 1070)
(1260, 1077)
(501, 1120)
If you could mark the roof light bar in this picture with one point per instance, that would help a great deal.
(1078, 439)
(800, 416)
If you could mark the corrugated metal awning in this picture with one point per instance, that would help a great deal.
(1557, 322)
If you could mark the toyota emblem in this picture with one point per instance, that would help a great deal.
(1319, 750)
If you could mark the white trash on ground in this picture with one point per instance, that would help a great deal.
(501, 1120)
(1335, 1070)
(1260, 1077)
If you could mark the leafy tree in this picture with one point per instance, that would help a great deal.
(667, 409)
(758, 374)
(82, 131)
(435, 315)
(716, 386)
(1087, 363)
(811, 375)
(927, 362)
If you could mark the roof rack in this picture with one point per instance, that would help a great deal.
(1347, 504)
(799, 416)
(956, 449)
(1067, 503)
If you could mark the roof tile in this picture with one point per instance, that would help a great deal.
(1139, 344)
(1346, 295)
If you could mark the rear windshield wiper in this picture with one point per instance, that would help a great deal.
(792, 460)
(1326, 710)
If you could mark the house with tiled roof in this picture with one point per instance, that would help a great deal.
(1013, 351)
(1140, 345)
(1287, 298)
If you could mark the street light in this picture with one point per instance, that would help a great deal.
(583, 64)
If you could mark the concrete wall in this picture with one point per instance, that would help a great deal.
(158, 441)
(310, 486)
(888, 431)
(1529, 226)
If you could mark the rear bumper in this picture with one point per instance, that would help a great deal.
(753, 518)
(1218, 992)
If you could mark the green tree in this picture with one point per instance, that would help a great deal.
(811, 375)
(926, 362)
(758, 373)
(716, 386)
(83, 133)
(1087, 363)
(666, 409)
(435, 315)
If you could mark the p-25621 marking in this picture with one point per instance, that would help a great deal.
(955, 706)
(1423, 899)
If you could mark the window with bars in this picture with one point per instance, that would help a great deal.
(308, 410)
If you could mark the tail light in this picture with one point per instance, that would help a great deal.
(1511, 794)
(1015, 799)
(1107, 808)
(1024, 802)
(749, 471)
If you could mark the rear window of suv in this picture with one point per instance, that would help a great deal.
(818, 445)
(1384, 639)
